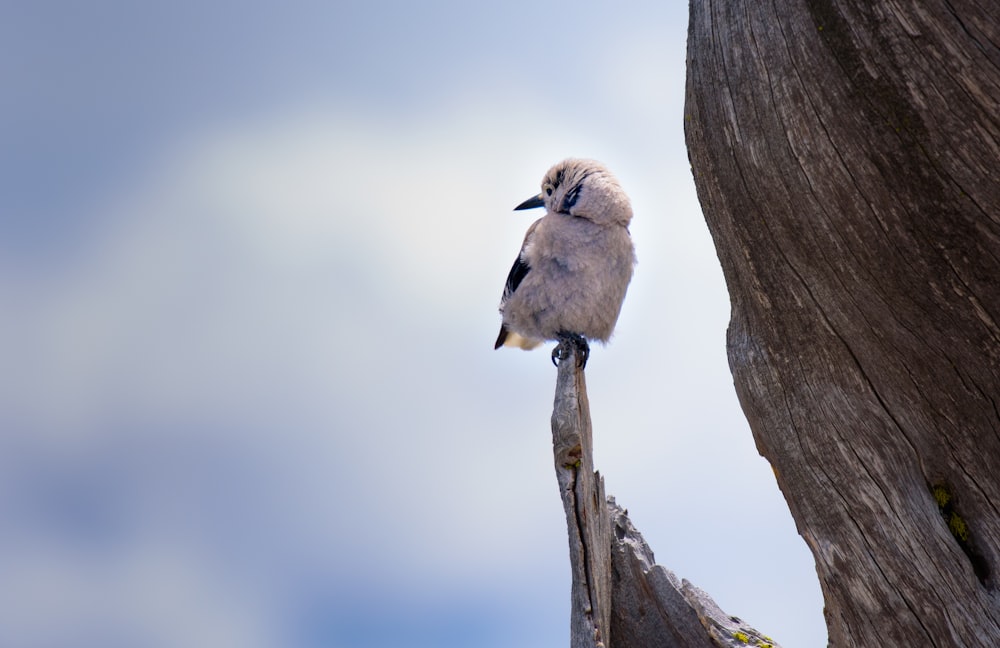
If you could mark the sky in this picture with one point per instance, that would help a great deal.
(251, 256)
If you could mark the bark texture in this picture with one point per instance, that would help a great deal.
(620, 597)
(582, 493)
(847, 157)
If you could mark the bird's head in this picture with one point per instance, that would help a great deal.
(584, 189)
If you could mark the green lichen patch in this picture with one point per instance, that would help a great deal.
(959, 528)
(941, 495)
(946, 505)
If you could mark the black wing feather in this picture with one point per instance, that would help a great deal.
(501, 338)
(517, 273)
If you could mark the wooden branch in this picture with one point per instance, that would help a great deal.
(620, 597)
(582, 492)
(651, 607)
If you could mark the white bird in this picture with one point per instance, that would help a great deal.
(570, 278)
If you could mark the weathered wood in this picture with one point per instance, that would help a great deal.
(846, 156)
(650, 608)
(582, 492)
(619, 597)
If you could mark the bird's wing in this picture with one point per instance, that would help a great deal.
(520, 268)
(517, 274)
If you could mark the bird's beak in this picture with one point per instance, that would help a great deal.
(531, 203)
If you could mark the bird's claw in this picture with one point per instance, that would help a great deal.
(563, 349)
(558, 354)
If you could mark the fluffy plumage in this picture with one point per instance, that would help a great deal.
(576, 262)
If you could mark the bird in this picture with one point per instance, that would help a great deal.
(569, 280)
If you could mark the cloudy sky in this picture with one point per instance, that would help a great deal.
(250, 257)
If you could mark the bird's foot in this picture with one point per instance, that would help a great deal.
(569, 343)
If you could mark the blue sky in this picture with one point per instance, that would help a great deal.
(252, 255)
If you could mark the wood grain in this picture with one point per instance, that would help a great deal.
(847, 159)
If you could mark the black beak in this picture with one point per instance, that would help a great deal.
(531, 203)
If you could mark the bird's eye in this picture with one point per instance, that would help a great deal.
(548, 190)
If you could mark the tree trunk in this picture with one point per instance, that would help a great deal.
(847, 158)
